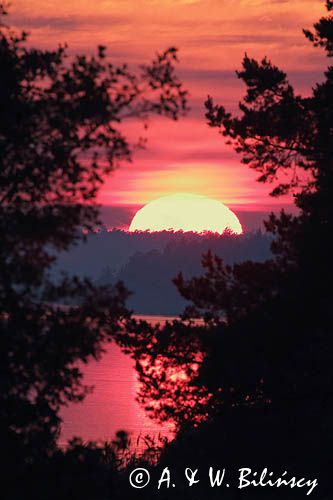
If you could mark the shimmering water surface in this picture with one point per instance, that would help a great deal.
(112, 405)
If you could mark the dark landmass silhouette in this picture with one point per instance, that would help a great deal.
(147, 262)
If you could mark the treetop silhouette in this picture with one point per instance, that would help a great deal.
(267, 339)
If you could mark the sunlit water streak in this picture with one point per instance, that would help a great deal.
(112, 405)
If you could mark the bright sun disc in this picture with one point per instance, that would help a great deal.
(186, 212)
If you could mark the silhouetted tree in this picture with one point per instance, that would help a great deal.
(60, 135)
(265, 372)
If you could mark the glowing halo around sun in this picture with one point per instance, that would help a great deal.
(186, 212)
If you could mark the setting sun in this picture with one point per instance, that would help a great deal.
(185, 212)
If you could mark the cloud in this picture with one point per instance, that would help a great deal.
(67, 22)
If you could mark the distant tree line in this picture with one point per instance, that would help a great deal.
(148, 275)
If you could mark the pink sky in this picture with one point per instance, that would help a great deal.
(212, 36)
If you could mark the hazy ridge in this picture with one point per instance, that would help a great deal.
(147, 262)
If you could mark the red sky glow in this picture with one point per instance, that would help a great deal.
(212, 37)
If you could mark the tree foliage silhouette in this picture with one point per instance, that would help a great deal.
(265, 348)
(60, 135)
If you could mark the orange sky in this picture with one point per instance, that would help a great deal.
(212, 36)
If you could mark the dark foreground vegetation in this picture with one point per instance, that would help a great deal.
(252, 385)
(61, 133)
